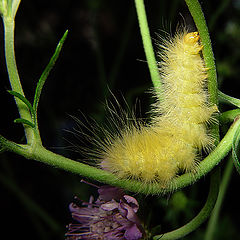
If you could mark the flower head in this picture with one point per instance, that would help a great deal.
(111, 217)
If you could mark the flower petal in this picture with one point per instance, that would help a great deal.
(127, 212)
(107, 193)
(133, 233)
(109, 206)
(132, 202)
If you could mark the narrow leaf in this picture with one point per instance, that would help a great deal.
(47, 71)
(24, 121)
(23, 99)
(235, 150)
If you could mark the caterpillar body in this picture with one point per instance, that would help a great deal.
(173, 141)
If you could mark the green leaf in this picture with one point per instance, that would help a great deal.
(47, 71)
(23, 99)
(235, 150)
(24, 121)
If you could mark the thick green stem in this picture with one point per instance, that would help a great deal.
(13, 74)
(202, 215)
(147, 44)
(39, 153)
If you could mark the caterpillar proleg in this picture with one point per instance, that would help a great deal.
(173, 140)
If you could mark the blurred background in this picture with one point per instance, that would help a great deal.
(101, 58)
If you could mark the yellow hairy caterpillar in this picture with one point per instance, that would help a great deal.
(172, 142)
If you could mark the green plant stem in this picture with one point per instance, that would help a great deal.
(198, 17)
(224, 98)
(223, 187)
(229, 116)
(39, 153)
(148, 48)
(202, 215)
(13, 74)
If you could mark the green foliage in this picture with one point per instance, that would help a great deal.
(24, 121)
(40, 84)
(235, 150)
(47, 70)
(229, 141)
(28, 104)
(8, 8)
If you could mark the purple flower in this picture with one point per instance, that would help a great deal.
(111, 217)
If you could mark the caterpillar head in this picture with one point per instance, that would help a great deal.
(191, 42)
(191, 38)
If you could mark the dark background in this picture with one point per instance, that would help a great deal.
(103, 51)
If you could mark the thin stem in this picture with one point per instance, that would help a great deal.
(223, 187)
(202, 215)
(224, 98)
(198, 17)
(39, 153)
(13, 74)
(147, 44)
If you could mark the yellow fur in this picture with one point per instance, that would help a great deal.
(173, 140)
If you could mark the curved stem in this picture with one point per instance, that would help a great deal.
(148, 48)
(41, 154)
(223, 187)
(13, 74)
(228, 99)
(229, 116)
(202, 215)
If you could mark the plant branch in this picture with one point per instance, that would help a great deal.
(223, 187)
(202, 215)
(148, 48)
(198, 17)
(14, 76)
(224, 98)
(41, 154)
(229, 116)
